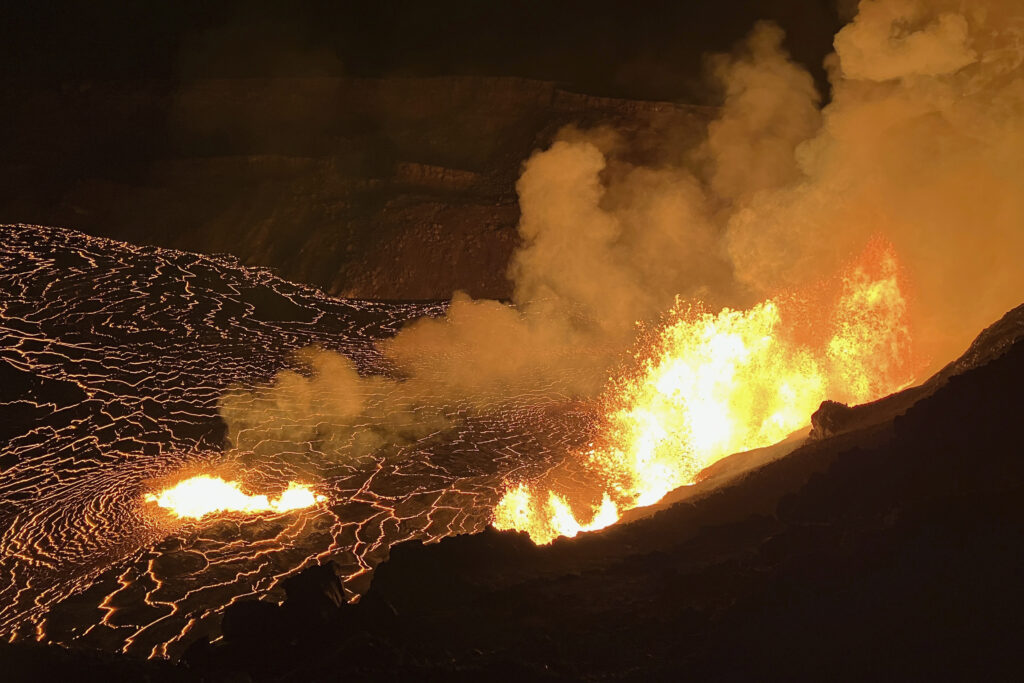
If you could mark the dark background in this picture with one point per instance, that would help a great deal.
(646, 50)
(369, 148)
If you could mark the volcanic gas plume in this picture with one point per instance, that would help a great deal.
(732, 250)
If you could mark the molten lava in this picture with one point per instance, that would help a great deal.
(721, 383)
(204, 495)
(548, 519)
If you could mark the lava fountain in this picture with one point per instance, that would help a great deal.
(713, 384)
(203, 495)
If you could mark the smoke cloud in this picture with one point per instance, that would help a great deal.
(920, 144)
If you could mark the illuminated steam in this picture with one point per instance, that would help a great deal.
(919, 146)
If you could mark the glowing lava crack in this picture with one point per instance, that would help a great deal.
(205, 495)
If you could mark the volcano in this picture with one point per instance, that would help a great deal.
(391, 341)
(895, 526)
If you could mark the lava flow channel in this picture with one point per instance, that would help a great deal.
(714, 384)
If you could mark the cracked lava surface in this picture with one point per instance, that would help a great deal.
(112, 360)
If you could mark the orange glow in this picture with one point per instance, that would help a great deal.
(721, 383)
(870, 349)
(204, 495)
(549, 519)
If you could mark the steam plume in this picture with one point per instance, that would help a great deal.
(921, 144)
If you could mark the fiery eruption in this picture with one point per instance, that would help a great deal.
(721, 383)
(203, 495)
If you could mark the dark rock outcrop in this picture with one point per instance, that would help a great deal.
(316, 592)
(830, 419)
(33, 662)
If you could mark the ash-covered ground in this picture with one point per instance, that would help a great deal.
(113, 359)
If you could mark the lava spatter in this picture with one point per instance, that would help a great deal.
(713, 384)
(202, 495)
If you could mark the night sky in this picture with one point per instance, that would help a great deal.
(646, 49)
